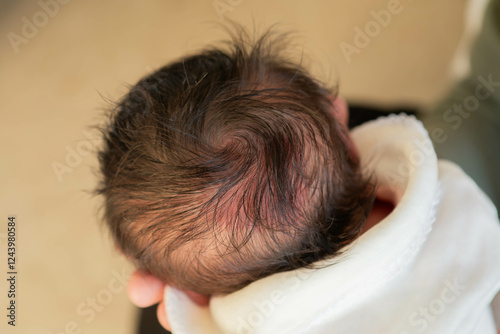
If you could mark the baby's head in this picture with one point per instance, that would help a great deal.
(228, 166)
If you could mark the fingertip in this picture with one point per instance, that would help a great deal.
(162, 316)
(144, 289)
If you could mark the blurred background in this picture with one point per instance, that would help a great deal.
(60, 60)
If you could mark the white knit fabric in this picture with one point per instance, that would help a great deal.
(431, 266)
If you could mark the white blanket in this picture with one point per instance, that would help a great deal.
(431, 266)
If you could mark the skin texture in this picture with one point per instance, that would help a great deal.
(145, 290)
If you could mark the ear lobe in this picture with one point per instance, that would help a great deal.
(339, 109)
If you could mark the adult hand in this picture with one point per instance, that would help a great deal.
(145, 290)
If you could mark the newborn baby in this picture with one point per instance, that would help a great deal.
(228, 166)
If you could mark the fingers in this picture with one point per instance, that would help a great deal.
(162, 316)
(144, 289)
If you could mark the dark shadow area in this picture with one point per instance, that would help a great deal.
(148, 323)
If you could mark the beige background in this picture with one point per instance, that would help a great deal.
(50, 92)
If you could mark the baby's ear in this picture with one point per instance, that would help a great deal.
(339, 109)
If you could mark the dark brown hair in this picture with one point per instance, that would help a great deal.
(227, 166)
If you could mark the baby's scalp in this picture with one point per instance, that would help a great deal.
(227, 166)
